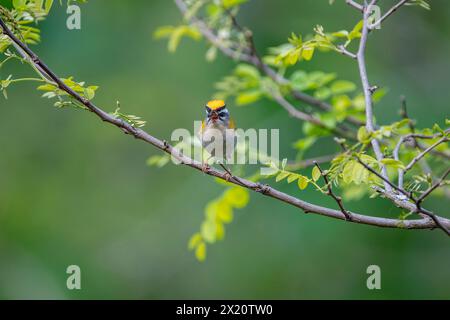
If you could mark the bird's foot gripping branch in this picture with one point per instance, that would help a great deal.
(390, 160)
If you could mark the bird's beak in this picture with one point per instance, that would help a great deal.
(214, 116)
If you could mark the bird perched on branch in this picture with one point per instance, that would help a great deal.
(217, 133)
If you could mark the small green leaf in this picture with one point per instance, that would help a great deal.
(245, 70)
(359, 173)
(208, 231)
(89, 93)
(248, 97)
(393, 163)
(307, 53)
(237, 197)
(225, 214)
(281, 176)
(437, 128)
(194, 241)
(342, 86)
(302, 182)
(232, 3)
(163, 32)
(363, 135)
(348, 171)
(19, 4)
(292, 177)
(316, 173)
(48, 5)
(200, 252)
(220, 231)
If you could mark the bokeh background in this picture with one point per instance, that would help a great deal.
(74, 190)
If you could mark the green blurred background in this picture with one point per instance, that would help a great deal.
(74, 190)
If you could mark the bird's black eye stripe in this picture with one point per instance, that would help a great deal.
(208, 109)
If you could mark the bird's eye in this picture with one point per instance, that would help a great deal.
(208, 110)
(222, 114)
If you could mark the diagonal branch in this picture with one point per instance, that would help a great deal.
(436, 185)
(257, 187)
(387, 14)
(354, 4)
(425, 152)
(330, 192)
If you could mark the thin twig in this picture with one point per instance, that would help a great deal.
(385, 180)
(436, 185)
(354, 4)
(330, 192)
(343, 50)
(426, 151)
(230, 175)
(387, 14)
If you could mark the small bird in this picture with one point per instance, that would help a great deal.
(217, 132)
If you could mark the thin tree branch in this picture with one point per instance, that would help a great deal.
(354, 4)
(257, 187)
(426, 151)
(385, 180)
(368, 89)
(414, 137)
(330, 192)
(441, 154)
(436, 185)
(341, 49)
(387, 14)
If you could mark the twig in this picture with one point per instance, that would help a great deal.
(436, 185)
(387, 14)
(266, 190)
(231, 176)
(330, 192)
(385, 180)
(423, 153)
(367, 89)
(354, 4)
(414, 137)
(341, 49)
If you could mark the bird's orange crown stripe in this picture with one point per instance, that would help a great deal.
(215, 104)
